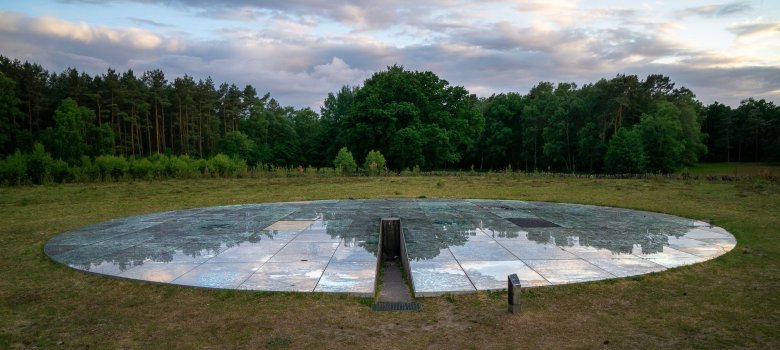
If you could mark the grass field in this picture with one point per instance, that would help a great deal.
(735, 169)
(729, 302)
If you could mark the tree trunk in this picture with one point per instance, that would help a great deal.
(113, 119)
(200, 131)
(148, 134)
(162, 126)
(29, 114)
(132, 139)
(157, 127)
(181, 130)
(99, 116)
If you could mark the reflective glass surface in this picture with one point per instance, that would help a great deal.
(453, 245)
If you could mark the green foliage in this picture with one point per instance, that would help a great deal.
(747, 133)
(13, 170)
(625, 153)
(101, 139)
(413, 118)
(223, 165)
(270, 127)
(60, 172)
(88, 169)
(559, 130)
(75, 133)
(374, 163)
(39, 167)
(141, 168)
(693, 147)
(501, 141)
(9, 113)
(175, 166)
(662, 137)
(112, 167)
(344, 162)
(236, 144)
(407, 148)
(39, 164)
(307, 129)
(332, 114)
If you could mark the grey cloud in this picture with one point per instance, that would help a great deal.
(149, 22)
(725, 85)
(720, 10)
(506, 36)
(357, 13)
(572, 50)
(754, 28)
(620, 43)
(489, 59)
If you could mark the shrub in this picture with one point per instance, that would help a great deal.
(158, 165)
(13, 170)
(344, 161)
(141, 168)
(59, 171)
(112, 167)
(88, 170)
(39, 164)
(193, 167)
(220, 165)
(238, 166)
(175, 167)
(375, 163)
(199, 167)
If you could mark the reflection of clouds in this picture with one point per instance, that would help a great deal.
(331, 246)
(430, 228)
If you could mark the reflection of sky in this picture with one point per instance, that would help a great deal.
(430, 226)
(331, 246)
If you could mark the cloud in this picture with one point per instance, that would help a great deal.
(144, 21)
(726, 85)
(721, 10)
(750, 29)
(50, 27)
(361, 14)
(279, 47)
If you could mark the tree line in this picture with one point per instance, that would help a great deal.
(412, 119)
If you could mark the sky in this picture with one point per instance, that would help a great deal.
(300, 50)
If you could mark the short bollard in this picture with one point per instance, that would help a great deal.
(514, 293)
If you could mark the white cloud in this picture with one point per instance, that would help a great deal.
(300, 50)
(718, 10)
(756, 28)
(81, 32)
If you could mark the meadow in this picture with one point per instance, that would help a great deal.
(729, 302)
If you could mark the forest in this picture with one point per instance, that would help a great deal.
(71, 126)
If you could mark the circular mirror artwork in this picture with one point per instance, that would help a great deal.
(452, 245)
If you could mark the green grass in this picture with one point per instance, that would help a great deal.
(735, 169)
(732, 301)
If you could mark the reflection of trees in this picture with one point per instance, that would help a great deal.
(177, 236)
(429, 226)
(614, 229)
(616, 241)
